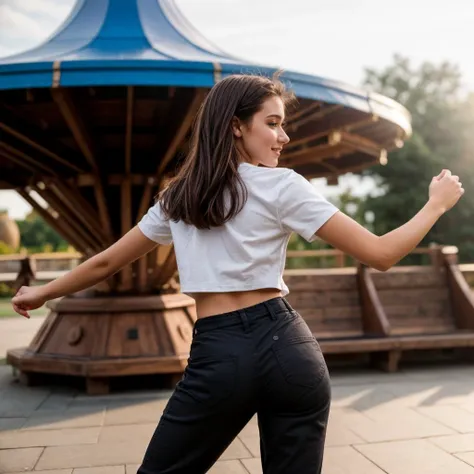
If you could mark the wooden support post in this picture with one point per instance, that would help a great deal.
(387, 361)
(462, 298)
(375, 320)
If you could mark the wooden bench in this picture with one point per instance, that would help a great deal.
(428, 307)
(333, 302)
(360, 310)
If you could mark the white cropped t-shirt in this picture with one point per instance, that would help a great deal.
(249, 251)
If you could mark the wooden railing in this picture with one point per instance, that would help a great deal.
(44, 266)
(21, 269)
(341, 259)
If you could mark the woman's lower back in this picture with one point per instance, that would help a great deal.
(208, 304)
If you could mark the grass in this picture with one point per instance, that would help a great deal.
(6, 310)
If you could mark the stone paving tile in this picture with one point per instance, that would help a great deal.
(100, 470)
(251, 428)
(41, 438)
(11, 423)
(22, 459)
(360, 397)
(18, 402)
(252, 443)
(452, 416)
(131, 468)
(125, 398)
(387, 425)
(254, 466)
(95, 455)
(455, 443)
(236, 450)
(468, 405)
(53, 471)
(467, 458)
(346, 460)
(339, 435)
(338, 432)
(123, 433)
(58, 401)
(414, 456)
(412, 393)
(228, 467)
(70, 418)
(367, 377)
(6, 379)
(439, 372)
(20, 332)
(148, 412)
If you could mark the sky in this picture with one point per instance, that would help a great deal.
(331, 38)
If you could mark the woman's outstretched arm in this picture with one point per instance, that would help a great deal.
(99, 267)
(383, 252)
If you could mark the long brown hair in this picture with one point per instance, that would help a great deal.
(208, 190)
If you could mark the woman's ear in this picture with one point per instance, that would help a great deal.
(236, 127)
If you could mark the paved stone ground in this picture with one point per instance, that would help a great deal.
(414, 422)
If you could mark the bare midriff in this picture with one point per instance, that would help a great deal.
(209, 304)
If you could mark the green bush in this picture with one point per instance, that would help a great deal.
(5, 249)
(6, 291)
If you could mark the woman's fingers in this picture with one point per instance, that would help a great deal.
(21, 311)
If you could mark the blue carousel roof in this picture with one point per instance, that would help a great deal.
(149, 42)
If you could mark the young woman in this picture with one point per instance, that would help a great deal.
(229, 213)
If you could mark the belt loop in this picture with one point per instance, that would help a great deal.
(270, 310)
(288, 307)
(244, 320)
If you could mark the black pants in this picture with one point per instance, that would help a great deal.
(262, 359)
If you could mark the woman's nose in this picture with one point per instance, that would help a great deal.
(284, 138)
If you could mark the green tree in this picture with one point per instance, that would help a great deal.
(36, 235)
(443, 120)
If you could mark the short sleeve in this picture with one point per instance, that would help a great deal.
(155, 225)
(301, 208)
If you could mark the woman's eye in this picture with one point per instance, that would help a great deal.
(273, 124)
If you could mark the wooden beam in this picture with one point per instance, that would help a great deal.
(128, 129)
(142, 264)
(71, 192)
(315, 154)
(345, 128)
(68, 219)
(83, 138)
(88, 179)
(126, 278)
(18, 161)
(165, 271)
(38, 140)
(40, 167)
(51, 221)
(349, 169)
(75, 207)
(362, 144)
(317, 115)
(339, 143)
(303, 111)
(180, 129)
(76, 124)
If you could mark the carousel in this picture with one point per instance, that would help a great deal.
(94, 120)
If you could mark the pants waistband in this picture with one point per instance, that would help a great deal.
(243, 316)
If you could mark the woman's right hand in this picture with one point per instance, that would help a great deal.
(28, 298)
(445, 190)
